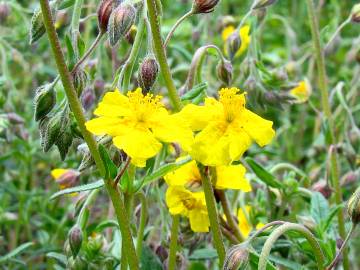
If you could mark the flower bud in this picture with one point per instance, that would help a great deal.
(353, 206)
(15, 119)
(95, 243)
(225, 72)
(130, 35)
(233, 44)
(355, 14)
(80, 80)
(68, 178)
(4, 12)
(44, 101)
(88, 98)
(75, 239)
(120, 22)
(322, 187)
(104, 12)
(237, 258)
(52, 127)
(204, 6)
(148, 72)
(264, 3)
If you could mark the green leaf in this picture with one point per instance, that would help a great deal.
(80, 46)
(285, 262)
(91, 186)
(66, 4)
(70, 52)
(327, 222)
(254, 261)
(149, 260)
(57, 256)
(164, 170)
(204, 254)
(197, 266)
(319, 207)
(16, 251)
(106, 224)
(110, 167)
(194, 92)
(263, 174)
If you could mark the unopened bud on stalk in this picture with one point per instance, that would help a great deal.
(4, 12)
(75, 239)
(264, 3)
(148, 72)
(120, 22)
(37, 29)
(204, 6)
(44, 101)
(233, 44)
(68, 178)
(80, 80)
(355, 14)
(52, 130)
(237, 258)
(104, 11)
(353, 207)
(225, 72)
(130, 35)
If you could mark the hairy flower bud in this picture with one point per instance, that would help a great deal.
(322, 187)
(148, 72)
(130, 35)
(15, 119)
(353, 207)
(225, 72)
(264, 3)
(120, 22)
(233, 44)
(37, 29)
(237, 258)
(44, 101)
(80, 80)
(204, 6)
(355, 14)
(88, 98)
(52, 128)
(104, 12)
(4, 12)
(68, 178)
(75, 239)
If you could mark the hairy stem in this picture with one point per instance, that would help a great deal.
(76, 108)
(143, 218)
(179, 21)
(320, 259)
(173, 242)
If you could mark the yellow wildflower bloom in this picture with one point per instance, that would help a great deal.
(244, 224)
(138, 124)
(227, 177)
(244, 37)
(189, 204)
(226, 128)
(301, 92)
(65, 177)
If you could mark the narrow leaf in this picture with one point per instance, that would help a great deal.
(91, 186)
(16, 251)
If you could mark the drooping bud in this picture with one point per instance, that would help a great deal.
(44, 101)
(75, 239)
(355, 14)
(15, 119)
(120, 22)
(4, 12)
(88, 98)
(37, 29)
(233, 44)
(322, 187)
(80, 80)
(204, 6)
(353, 207)
(264, 3)
(130, 35)
(237, 257)
(148, 72)
(64, 142)
(52, 128)
(104, 12)
(68, 178)
(225, 72)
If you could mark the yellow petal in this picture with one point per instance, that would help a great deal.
(56, 173)
(232, 177)
(113, 104)
(240, 141)
(107, 125)
(302, 92)
(139, 144)
(226, 32)
(244, 225)
(183, 175)
(199, 220)
(174, 200)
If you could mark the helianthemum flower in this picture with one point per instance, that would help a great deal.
(244, 223)
(227, 177)
(301, 92)
(189, 204)
(244, 37)
(225, 128)
(138, 124)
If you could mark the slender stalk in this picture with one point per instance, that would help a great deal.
(320, 259)
(337, 258)
(336, 33)
(76, 108)
(173, 242)
(75, 20)
(141, 229)
(179, 21)
(213, 217)
(229, 217)
(122, 171)
(320, 60)
(265, 227)
(161, 56)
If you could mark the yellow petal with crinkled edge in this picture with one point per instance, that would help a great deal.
(258, 128)
(199, 220)
(56, 173)
(139, 144)
(186, 173)
(113, 104)
(107, 125)
(244, 225)
(174, 200)
(240, 142)
(232, 177)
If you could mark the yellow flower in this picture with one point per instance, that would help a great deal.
(138, 124)
(227, 177)
(244, 37)
(301, 92)
(189, 204)
(226, 128)
(66, 178)
(244, 224)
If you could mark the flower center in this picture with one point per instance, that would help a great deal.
(232, 102)
(189, 203)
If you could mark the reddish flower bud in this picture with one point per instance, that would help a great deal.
(204, 6)
(355, 14)
(225, 72)
(148, 72)
(104, 11)
(4, 12)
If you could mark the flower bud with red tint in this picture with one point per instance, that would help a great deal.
(204, 6)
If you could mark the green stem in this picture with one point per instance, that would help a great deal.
(320, 60)
(213, 217)
(173, 242)
(143, 218)
(320, 259)
(179, 21)
(338, 30)
(76, 108)
(75, 20)
(161, 56)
